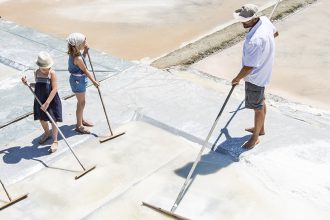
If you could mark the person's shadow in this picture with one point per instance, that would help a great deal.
(69, 131)
(211, 162)
(232, 145)
(208, 163)
(15, 154)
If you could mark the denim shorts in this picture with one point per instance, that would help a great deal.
(254, 96)
(78, 83)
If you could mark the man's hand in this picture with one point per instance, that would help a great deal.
(246, 70)
(235, 81)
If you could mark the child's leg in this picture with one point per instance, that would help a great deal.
(54, 146)
(44, 125)
(45, 136)
(54, 132)
(80, 108)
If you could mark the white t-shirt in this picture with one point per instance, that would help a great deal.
(259, 51)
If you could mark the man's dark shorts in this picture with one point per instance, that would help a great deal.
(254, 96)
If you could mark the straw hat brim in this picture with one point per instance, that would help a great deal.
(243, 19)
(42, 65)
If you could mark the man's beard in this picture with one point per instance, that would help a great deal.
(246, 25)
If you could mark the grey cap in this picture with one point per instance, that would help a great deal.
(246, 13)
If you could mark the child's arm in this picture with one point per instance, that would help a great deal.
(79, 62)
(86, 48)
(53, 81)
(24, 80)
(35, 77)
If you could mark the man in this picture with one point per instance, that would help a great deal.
(257, 63)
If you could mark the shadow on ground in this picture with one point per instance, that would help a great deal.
(215, 159)
(14, 155)
(232, 145)
(211, 163)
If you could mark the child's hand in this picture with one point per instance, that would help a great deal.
(44, 106)
(96, 83)
(24, 80)
(86, 48)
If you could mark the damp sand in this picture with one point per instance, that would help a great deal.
(127, 28)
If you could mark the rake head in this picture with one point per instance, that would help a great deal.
(85, 172)
(107, 138)
(12, 202)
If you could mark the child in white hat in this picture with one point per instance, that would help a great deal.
(46, 91)
(79, 76)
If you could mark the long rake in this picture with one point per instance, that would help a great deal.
(112, 135)
(11, 201)
(186, 183)
(85, 171)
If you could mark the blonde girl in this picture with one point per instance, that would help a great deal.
(46, 90)
(79, 76)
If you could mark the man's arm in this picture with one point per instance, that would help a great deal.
(246, 70)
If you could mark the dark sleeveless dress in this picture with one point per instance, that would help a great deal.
(43, 87)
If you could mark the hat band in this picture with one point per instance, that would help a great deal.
(43, 64)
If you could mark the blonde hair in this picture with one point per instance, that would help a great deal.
(73, 50)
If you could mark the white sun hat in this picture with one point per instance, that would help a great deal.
(76, 39)
(246, 13)
(44, 60)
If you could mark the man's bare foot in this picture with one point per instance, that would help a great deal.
(251, 130)
(251, 143)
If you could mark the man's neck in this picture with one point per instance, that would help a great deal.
(257, 20)
(254, 24)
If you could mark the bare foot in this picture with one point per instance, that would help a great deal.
(87, 123)
(53, 147)
(44, 138)
(251, 143)
(251, 130)
(82, 130)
